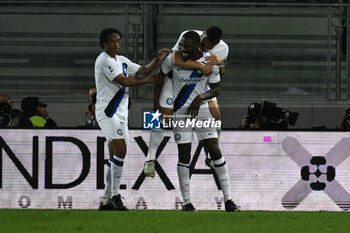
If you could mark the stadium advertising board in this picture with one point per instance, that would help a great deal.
(268, 171)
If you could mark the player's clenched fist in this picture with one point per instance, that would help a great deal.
(161, 54)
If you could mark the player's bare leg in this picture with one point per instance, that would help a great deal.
(215, 112)
(220, 167)
(156, 137)
(214, 109)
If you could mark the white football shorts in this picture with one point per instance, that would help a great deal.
(113, 128)
(166, 99)
(186, 134)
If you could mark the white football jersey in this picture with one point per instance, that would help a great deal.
(221, 49)
(112, 98)
(187, 84)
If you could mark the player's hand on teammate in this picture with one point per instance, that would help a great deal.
(207, 68)
(214, 59)
(162, 53)
(157, 79)
(194, 106)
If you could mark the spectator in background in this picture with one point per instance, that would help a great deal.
(14, 114)
(90, 117)
(344, 123)
(35, 114)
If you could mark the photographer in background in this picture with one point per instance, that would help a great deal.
(35, 114)
(251, 121)
(9, 117)
(344, 124)
(268, 116)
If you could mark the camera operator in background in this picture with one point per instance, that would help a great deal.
(9, 117)
(344, 124)
(268, 116)
(251, 121)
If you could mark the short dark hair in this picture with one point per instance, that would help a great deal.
(214, 34)
(193, 36)
(106, 32)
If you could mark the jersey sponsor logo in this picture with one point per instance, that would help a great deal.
(186, 90)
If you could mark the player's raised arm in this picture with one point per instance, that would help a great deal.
(147, 69)
(190, 64)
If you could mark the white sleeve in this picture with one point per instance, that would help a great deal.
(222, 51)
(214, 77)
(111, 69)
(167, 64)
(225, 52)
(176, 46)
(132, 67)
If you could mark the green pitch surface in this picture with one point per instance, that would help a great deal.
(165, 221)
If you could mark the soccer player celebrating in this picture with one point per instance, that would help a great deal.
(114, 74)
(191, 94)
(218, 50)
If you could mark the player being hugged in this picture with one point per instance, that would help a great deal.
(190, 90)
(216, 54)
(114, 74)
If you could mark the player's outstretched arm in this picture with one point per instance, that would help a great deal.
(194, 106)
(190, 64)
(132, 81)
(147, 69)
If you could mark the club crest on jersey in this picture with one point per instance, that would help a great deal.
(120, 132)
(169, 101)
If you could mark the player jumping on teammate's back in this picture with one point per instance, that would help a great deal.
(114, 74)
(191, 95)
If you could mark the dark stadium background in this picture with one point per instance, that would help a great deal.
(293, 53)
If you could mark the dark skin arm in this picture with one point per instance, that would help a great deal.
(147, 69)
(343, 123)
(190, 64)
(132, 81)
(157, 91)
(221, 71)
(214, 59)
(194, 106)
